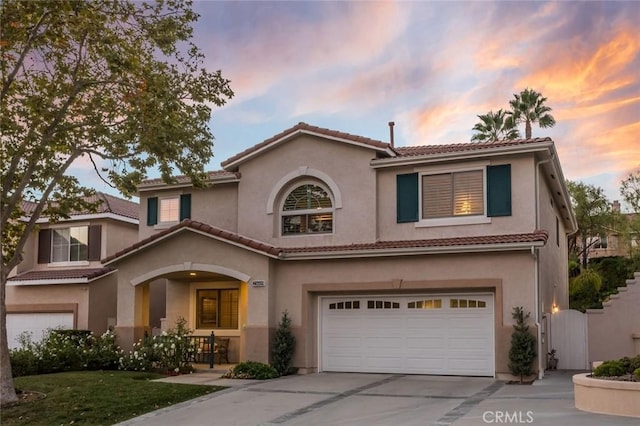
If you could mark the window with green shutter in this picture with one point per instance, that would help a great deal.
(499, 190)
(407, 198)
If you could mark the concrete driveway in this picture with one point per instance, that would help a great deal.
(380, 399)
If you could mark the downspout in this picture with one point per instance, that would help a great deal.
(536, 269)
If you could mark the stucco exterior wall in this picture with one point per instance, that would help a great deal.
(102, 303)
(521, 220)
(30, 298)
(347, 165)
(612, 329)
(299, 283)
(183, 253)
(116, 235)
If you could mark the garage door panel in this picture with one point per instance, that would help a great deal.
(36, 323)
(446, 337)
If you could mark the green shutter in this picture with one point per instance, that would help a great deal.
(407, 198)
(185, 206)
(44, 246)
(499, 190)
(152, 211)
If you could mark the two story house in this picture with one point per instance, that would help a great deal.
(61, 282)
(388, 259)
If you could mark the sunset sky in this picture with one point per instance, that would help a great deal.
(431, 67)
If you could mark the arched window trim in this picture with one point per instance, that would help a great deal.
(285, 183)
(289, 189)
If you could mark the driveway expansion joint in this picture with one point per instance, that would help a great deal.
(335, 398)
(466, 405)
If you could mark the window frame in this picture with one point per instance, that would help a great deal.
(305, 212)
(68, 260)
(175, 198)
(218, 290)
(453, 220)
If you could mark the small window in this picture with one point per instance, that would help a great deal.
(425, 304)
(169, 209)
(467, 303)
(217, 309)
(382, 304)
(355, 304)
(308, 209)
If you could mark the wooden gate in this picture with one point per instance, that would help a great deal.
(569, 337)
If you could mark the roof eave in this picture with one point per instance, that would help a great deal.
(163, 185)
(233, 165)
(460, 155)
(176, 231)
(88, 216)
(476, 248)
(58, 281)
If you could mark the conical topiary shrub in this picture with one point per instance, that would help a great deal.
(284, 344)
(523, 346)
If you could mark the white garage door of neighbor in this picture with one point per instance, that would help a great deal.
(424, 334)
(36, 324)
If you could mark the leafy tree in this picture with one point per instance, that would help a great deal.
(630, 190)
(523, 345)
(593, 214)
(584, 290)
(495, 126)
(529, 107)
(284, 344)
(117, 83)
(630, 231)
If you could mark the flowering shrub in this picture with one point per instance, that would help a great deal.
(170, 352)
(64, 350)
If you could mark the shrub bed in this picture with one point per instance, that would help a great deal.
(626, 369)
(251, 370)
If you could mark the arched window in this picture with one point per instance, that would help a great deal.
(307, 209)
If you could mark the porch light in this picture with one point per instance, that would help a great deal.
(555, 309)
(192, 274)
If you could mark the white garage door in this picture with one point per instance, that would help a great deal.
(36, 324)
(424, 334)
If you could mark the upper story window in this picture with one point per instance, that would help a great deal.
(453, 194)
(307, 209)
(456, 197)
(71, 244)
(168, 210)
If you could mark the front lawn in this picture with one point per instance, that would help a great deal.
(96, 397)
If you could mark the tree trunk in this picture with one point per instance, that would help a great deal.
(585, 253)
(7, 390)
(527, 129)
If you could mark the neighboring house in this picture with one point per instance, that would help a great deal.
(388, 259)
(61, 282)
(612, 242)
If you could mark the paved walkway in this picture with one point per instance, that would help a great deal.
(379, 399)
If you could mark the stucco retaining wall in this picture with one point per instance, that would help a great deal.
(606, 396)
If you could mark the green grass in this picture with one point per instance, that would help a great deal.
(96, 397)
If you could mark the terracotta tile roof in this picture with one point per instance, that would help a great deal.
(300, 127)
(212, 176)
(108, 204)
(202, 227)
(415, 151)
(62, 274)
(537, 236)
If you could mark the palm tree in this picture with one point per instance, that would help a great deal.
(495, 126)
(528, 107)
